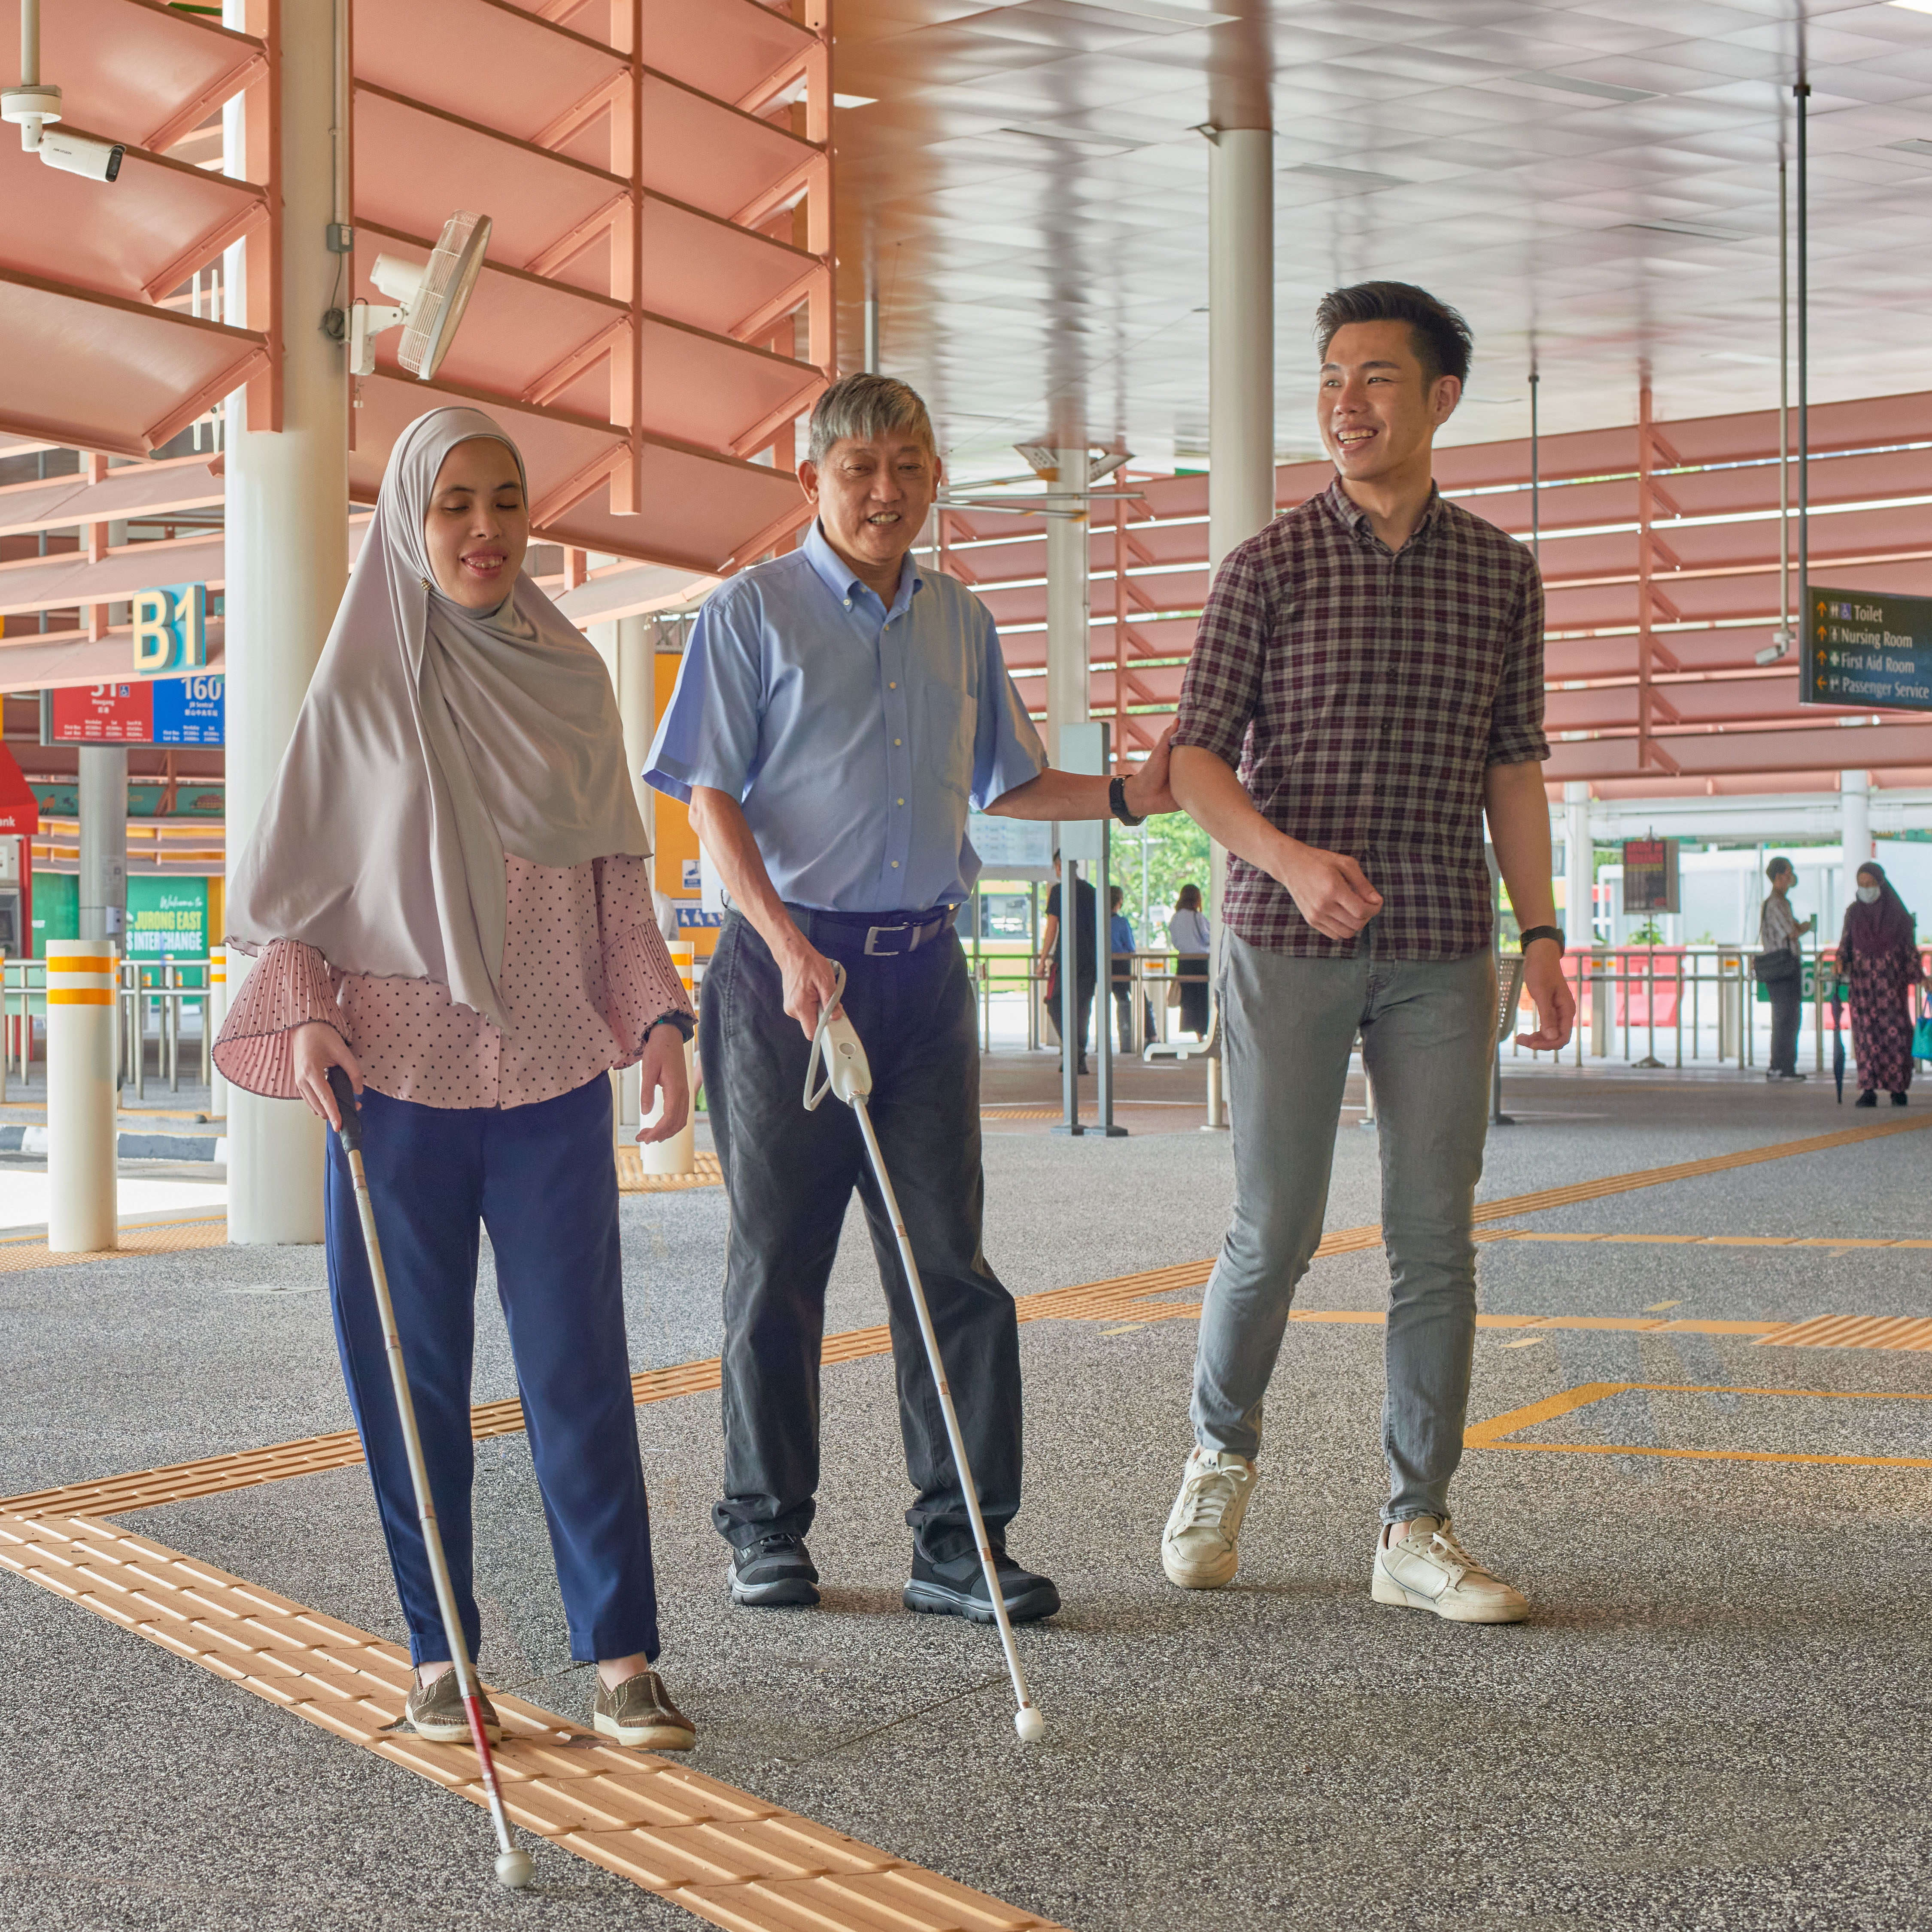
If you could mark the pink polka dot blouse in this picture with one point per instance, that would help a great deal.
(586, 975)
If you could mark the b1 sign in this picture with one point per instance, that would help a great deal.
(170, 629)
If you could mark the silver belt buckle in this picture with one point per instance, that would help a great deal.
(878, 952)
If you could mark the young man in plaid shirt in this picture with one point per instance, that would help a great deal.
(1366, 686)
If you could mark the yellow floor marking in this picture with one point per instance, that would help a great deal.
(1490, 1434)
(721, 1854)
(20, 1252)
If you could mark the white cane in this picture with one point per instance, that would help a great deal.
(849, 1075)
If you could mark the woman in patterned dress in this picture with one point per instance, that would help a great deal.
(448, 895)
(1878, 953)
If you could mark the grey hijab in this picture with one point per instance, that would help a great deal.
(434, 740)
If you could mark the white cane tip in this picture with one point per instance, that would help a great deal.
(1031, 1725)
(514, 1870)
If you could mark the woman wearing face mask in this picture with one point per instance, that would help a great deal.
(448, 896)
(1878, 953)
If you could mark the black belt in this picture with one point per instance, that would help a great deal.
(885, 935)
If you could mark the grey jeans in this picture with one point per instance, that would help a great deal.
(1428, 1033)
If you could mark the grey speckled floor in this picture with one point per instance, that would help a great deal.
(1717, 1719)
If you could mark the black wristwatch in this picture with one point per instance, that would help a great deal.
(1555, 932)
(1117, 802)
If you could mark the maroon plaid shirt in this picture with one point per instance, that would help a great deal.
(1364, 693)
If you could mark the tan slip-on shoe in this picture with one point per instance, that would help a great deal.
(1429, 1570)
(435, 1712)
(639, 1715)
(1198, 1547)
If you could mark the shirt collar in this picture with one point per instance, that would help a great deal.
(1355, 520)
(845, 583)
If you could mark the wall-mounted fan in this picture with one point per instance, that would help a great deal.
(430, 297)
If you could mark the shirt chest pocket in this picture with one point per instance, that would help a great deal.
(944, 748)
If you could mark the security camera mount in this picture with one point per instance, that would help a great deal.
(35, 106)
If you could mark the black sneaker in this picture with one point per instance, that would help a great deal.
(1869, 1098)
(1900, 1100)
(773, 1571)
(958, 1589)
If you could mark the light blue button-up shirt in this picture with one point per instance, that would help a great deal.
(855, 736)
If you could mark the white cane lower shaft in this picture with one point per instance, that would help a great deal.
(432, 1534)
(968, 1486)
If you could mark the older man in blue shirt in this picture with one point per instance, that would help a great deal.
(838, 711)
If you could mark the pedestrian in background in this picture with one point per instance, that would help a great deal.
(1187, 932)
(1878, 953)
(1121, 931)
(1086, 965)
(1778, 932)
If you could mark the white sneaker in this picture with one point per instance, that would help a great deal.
(1429, 1570)
(1197, 1548)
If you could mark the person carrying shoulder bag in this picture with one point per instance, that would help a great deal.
(1779, 966)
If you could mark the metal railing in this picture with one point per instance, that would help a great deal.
(156, 991)
(1149, 975)
(1636, 999)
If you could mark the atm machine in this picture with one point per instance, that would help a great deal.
(16, 875)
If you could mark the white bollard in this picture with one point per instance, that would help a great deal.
(81, 1169)
(678, 1155)
(214, 1011)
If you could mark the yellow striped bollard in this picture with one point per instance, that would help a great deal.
(81, 1170)
(678, 1155)
(214, 1010)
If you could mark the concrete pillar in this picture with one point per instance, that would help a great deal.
(1067, 603)
(287, 561)
(1240, 396)
(104, 842)
(1240, 337)
(1854, 817)
(81, 1166)
(1578, 866)
(213, 1013)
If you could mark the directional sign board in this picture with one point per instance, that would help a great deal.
(136, 711)
(1868, 648)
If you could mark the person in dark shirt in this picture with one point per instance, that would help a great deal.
(1086, 942)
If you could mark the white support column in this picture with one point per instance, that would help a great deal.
(81, 1166)
(1067, 603)
(1578, 866)
(626, 646)
(1240, 337)
(1240, 398)
(104, 842)
(214, 1011)
(1854, 817)
(287, 560)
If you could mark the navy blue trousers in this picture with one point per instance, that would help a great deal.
(542, 1180)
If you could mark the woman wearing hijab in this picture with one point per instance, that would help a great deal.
(1878, 953)
(448, 896)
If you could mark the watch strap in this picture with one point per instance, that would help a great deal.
(1555, 932)
(1117, 802)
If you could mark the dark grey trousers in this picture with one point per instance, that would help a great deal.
(1787, 1000)
(790, 1175)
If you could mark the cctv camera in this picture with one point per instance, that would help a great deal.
(1780, 643)
(81, 154)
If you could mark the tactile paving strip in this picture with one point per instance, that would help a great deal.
(631, 1178)
(151, 1237)
(720, 1853)
(1913, 1332)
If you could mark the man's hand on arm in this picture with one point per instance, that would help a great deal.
(809, 977)
(1518, 810)
(1056, 794)
(1330, 889)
